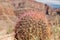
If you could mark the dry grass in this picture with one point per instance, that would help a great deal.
(56, 28)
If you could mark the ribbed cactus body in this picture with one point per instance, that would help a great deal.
(32, 25)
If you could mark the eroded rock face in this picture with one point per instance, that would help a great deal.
(27, 4)
(20, 5)
(32, 25)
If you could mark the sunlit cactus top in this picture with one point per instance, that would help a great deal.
(35, 14)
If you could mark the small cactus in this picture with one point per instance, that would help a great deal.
(32, 25)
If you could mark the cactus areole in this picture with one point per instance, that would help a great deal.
(32, 25)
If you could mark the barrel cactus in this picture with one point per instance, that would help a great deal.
(32, 25)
